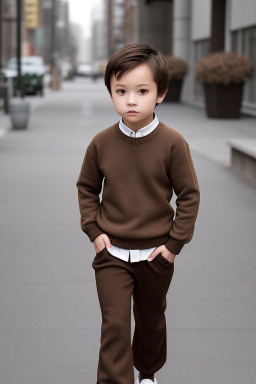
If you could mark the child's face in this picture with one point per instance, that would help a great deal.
(134, 96)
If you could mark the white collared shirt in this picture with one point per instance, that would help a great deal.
(142, 131)
(135, 254)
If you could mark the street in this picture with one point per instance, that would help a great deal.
(50, 316)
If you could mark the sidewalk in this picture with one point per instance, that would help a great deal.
(35, 102)
(206, 136)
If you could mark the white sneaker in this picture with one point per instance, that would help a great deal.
(146, 381)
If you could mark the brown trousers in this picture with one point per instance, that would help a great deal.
(117, 281)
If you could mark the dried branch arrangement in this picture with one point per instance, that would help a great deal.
(177, 67)
(223, 68)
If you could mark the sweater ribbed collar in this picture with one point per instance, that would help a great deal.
(138, 140)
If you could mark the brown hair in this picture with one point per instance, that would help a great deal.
(130, 56)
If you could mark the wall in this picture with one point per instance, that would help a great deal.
(155, 25)
(201, 19)
(243, 13)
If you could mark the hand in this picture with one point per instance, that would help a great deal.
(101, 242)
(164, 251)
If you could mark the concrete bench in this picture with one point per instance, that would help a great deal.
(243, 156)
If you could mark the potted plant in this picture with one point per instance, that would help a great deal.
(223, 75)
(177, 70)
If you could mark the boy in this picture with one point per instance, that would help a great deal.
(132, 229)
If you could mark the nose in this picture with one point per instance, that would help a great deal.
(131, 99)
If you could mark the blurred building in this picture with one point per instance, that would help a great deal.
(189, 29)
(38, 35)
(133, 21)
(62, 29)
(241, 37)
(8, 29)
(115, 23)
(99, 38)
(155, 24)
(77, 34)
(38, 28)
(130, 21)
(216, 25)
(32, 27)
(46, 46)
(85, 55)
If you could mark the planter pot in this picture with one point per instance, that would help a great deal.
(19, 112)
(223, 101)
(174, 90)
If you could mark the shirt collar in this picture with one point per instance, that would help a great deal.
(142, 131)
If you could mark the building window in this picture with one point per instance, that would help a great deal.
(244, 42)
(235, 42)
(201, 49)
(249, 50)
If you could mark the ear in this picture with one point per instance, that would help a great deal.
(161, 98)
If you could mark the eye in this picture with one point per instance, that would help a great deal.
(143, 91)
(121, 91)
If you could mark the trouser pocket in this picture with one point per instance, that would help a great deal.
(99, 257)
(164, 261)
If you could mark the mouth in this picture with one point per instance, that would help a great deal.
(132, 112)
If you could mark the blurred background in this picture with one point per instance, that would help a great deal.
(76, 38)
(53, 101)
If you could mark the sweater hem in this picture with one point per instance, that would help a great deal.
(138, 243)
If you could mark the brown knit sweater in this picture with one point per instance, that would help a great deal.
(139, 175)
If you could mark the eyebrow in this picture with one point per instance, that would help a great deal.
(139, 85)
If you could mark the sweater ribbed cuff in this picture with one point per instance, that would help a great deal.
(92, 231)
(174, 246)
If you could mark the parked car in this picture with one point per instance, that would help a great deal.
(84, 70)
(33, 70)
